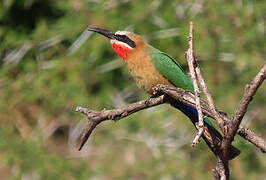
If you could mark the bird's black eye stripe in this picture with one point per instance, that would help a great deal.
(125, 39)
(122, 37)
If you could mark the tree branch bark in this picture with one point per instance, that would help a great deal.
(233, 125)
(97, 117)
(176, 94)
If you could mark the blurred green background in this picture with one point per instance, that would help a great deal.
(43, 79)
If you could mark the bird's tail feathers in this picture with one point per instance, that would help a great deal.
(211, 135)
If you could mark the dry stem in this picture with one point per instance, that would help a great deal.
(191, 62)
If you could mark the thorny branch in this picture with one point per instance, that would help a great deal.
(229, 126)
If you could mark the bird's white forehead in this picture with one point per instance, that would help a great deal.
(122, 32)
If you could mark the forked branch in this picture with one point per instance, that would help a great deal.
(173, 93)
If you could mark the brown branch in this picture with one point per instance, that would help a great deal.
(220, 172)
(250, 91)
(195, 74)
(233, 125)
(96, 117)
(187, 97)
(177, 94)
(209, 98)
(253, 138)
(191, 62)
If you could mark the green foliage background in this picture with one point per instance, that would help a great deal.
(40, 90)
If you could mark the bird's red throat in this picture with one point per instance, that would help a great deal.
(121, 50)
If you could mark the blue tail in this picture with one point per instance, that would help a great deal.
(192, 114)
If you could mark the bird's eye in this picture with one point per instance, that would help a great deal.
(124, 37)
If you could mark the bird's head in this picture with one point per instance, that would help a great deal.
(123, 42)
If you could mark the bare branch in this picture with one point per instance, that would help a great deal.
(250, 90)
(221, 168)
(191, 62)
(177, 94)
(96, 117)
(253, 138)
(209, 98)
(233, 126)
(220, 171)
(187, 97)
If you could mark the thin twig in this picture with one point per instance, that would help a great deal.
(250, 91)
(253, 138)
(191, 62)
(223, 170)
(233, 126)
(208, 97)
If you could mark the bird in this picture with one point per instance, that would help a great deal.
(150, 67)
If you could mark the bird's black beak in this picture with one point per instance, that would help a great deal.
(110, 35)
(104, 32)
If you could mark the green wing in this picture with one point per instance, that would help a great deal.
(171, 70)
